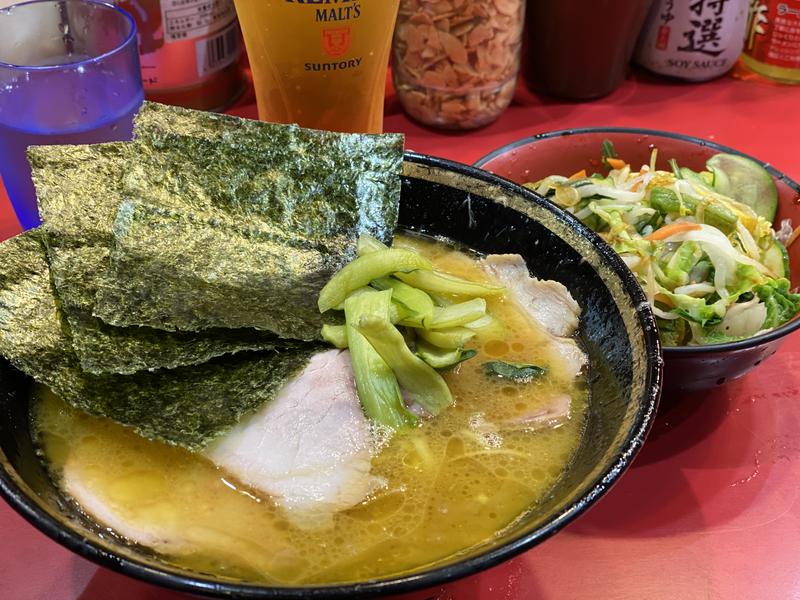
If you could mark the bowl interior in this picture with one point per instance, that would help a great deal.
(490, 215)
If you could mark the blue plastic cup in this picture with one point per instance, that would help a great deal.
(69, 74)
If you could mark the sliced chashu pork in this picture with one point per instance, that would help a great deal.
(548, 304)
(555, 411)
(310, 449)
(552, 414)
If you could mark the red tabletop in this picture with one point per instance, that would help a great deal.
(710, 507)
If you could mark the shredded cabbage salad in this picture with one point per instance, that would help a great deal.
(713, 269)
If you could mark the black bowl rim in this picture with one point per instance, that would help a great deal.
(750, 342)
(631, 445)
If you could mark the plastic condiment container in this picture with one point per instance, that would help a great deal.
(455, 62)
(693, 40)
(580, 49)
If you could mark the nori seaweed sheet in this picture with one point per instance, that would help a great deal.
(316, 182)
(126, 350)
(154, 120)
(187, 406)
(368, 166)
(313, 192)
(32, 335)
(79, 189)
(274, 281)
(292, 201)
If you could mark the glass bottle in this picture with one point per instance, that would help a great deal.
(695, 40)
(580, 49)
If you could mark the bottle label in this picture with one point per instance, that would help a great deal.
(189, 19)
(335, 25)
(773, 33)
(183, 42)
(693, 40)
(218, 51)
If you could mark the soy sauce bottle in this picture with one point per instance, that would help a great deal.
(694, 40)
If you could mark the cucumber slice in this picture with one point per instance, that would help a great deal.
(776, 259)
(745, 180)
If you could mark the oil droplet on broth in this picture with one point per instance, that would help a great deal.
(537, 474)
(496, 348)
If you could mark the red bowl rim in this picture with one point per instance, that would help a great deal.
(746, 343)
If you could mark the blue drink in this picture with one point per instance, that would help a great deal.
(69, 74)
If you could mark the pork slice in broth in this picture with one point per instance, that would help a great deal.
(160, 536)
(572, 357)
(310, 448)
(546, 303)
(553, 414)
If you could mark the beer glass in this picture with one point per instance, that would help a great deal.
(322, 65)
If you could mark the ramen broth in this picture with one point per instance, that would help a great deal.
(450, 485)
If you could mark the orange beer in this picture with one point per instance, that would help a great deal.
(319, 63)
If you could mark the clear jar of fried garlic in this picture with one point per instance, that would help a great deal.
(455, 62)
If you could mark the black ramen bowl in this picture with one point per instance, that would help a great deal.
(686, 368)
(491, 215)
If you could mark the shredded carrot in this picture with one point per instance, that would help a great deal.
(616, 163)
(635, 187)
(793, 237)
(664, 299)
(672, 229)
(579, 175)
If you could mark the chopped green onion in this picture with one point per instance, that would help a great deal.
(673, 164)
(666, 201)
(456, 314)
(441, 358)
(607, 151)
(454, 337)
(368, 244)
(417, 304)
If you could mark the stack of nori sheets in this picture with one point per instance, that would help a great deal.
(173, 283)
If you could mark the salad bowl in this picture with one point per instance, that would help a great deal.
(688, 368)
